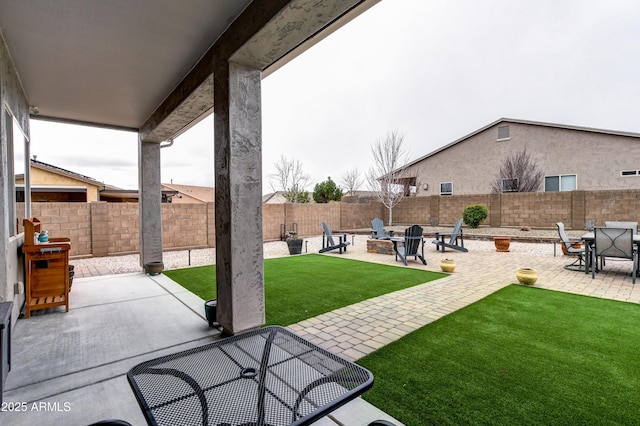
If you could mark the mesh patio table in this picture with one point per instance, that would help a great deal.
(268, 376)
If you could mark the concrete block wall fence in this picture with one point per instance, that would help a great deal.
(451, 207)
(102, 229)
(309, 217)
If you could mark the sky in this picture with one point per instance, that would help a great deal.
(434, 71)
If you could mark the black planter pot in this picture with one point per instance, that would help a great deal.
(154, 268)
(295, 246)
(210, 308)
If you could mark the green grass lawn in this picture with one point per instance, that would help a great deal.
(522, 356)
(301, 287)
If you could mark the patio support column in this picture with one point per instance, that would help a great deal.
(150, 198)
(238, 200)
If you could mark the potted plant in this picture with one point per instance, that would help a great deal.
(502, 243)
(295, 244)
(527, 276)
(448, 265)
(210, 312)
(154, 268)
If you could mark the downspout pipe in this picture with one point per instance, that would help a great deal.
(168, 143)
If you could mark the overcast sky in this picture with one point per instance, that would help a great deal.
(432, 70)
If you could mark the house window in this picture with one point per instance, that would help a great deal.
(560, 183)
(509, 185)
(446, 188)
(503, 133)
(17, 162)
(630, 173)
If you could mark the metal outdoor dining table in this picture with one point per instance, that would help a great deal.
(589, 239)
(268, 376)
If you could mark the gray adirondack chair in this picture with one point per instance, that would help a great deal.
(413, 245)
(328, 243)
(456, 240)
(377, 230)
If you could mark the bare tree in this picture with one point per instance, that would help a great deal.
(290, 178)
(386, 174)
(352, 181)
(518, 173)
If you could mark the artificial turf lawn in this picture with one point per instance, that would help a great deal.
(301, 287)
(520, 356)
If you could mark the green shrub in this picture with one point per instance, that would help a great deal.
(473, 215)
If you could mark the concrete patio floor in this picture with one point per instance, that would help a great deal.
(73, 365)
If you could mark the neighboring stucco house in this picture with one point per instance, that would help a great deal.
(51, 183)
(55, 184)
(274, 198)
(189, 193)
(362, 197)
(570, 157)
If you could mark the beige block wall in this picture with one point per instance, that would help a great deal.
(101, 229)
(309, 217)
(357, 216)
(536, 209)
(66, 220)
(272, 217)
(184, 225)
(621, 205)
(409, 211)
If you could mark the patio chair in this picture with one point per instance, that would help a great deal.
(377, 230)
(613, 224)
(455, 236)
(570, 250)
(614, 242)
(328, 243)
(616, 224)
(412, 243)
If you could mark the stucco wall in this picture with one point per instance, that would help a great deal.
(11, 95)
(471, 165)
(42, 177)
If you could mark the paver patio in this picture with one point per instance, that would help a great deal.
(479, 273)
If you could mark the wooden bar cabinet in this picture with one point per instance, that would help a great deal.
(46, 269)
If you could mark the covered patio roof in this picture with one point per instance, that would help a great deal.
(147, 65)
